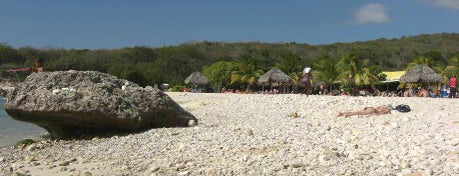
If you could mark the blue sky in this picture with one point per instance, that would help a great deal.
(113, 24)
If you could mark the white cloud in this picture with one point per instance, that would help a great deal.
(453, 4)
(372, 13)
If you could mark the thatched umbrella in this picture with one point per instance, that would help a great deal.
(274, 76)
(420, 73)
(196, 78)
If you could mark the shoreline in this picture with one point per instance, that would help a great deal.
(12, 131)
(255, 134)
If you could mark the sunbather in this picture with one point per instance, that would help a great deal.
(367, 111)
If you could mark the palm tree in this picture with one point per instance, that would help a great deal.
(349, 66)
(452, 69)
(355, 71)
(366, 76)
(246, 74)
(326, 70)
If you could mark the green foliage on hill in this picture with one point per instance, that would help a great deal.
(172, 64)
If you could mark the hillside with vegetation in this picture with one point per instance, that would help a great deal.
(237, 64)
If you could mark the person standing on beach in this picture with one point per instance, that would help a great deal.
(452, 87)
(307, 76)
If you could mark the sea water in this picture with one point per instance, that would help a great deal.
(12, 131)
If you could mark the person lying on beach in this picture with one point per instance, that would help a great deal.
(367, 111)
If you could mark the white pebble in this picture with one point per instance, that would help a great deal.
(191, 123)
(56, 91)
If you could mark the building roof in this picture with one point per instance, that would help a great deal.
(393, 75)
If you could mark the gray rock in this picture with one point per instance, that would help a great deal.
(5, 90)
(74, 103)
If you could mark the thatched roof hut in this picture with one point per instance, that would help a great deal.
(196, 78)
(274, 76)
(420, 73)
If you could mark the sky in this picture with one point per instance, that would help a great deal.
(115, 24)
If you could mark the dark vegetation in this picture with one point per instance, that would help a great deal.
(233, 64)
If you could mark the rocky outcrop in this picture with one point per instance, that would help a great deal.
(75, 103)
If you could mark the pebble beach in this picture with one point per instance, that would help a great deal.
(258, 134)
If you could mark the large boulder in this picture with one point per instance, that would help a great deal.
(79, 103)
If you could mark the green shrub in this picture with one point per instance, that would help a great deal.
(178, 88)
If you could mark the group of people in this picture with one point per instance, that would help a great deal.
(445, 91)
(386, 109)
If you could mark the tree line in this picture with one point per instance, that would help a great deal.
(238, 64)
